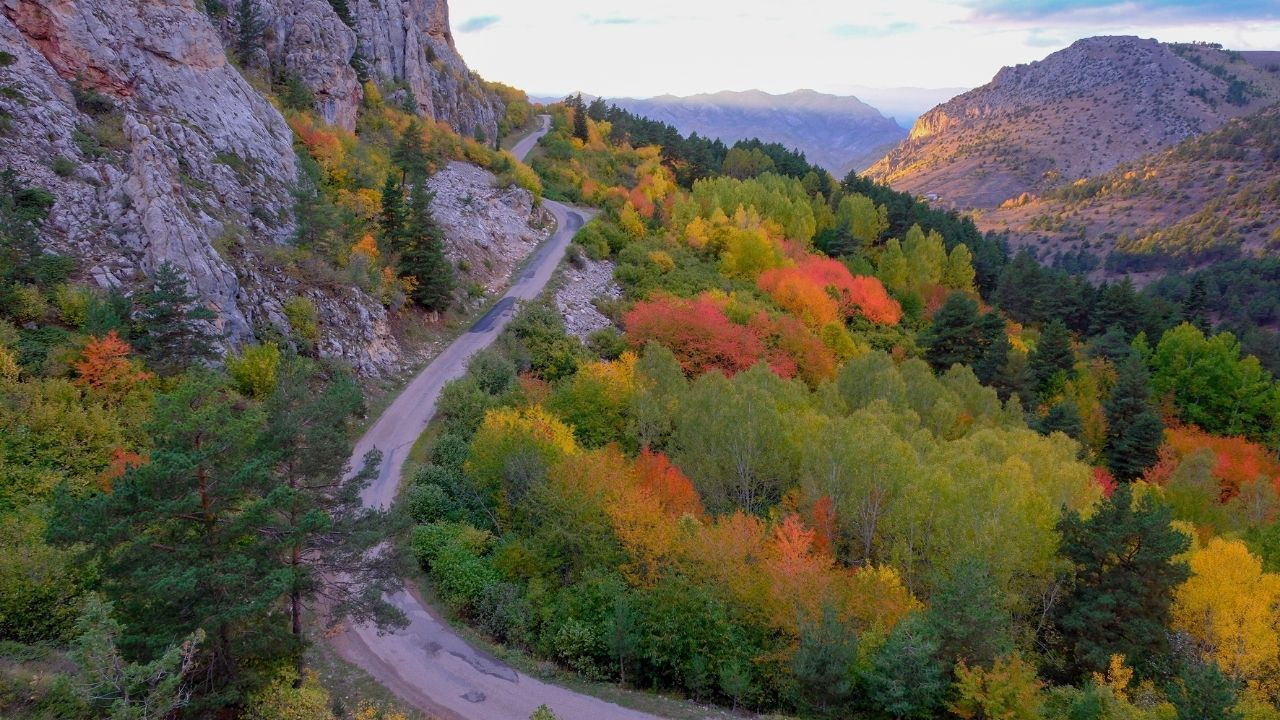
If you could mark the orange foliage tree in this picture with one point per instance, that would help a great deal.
(1240, 461)
(105, 367)
(697, 331)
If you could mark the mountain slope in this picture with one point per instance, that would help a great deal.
(1208, 198)
(1079, 112)
(839, 133)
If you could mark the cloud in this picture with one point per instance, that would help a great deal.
(868, 31)
(614, 20)
(1128, 9)
(476, 24)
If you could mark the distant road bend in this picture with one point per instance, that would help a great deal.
(426, 664)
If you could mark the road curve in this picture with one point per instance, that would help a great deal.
(426, 664)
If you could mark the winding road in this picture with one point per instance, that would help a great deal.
(425, 663)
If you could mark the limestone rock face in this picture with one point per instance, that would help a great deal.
(168, 155)
(488, 230)
(309, 39)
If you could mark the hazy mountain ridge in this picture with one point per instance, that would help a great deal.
(1079, 112)
(840, 133)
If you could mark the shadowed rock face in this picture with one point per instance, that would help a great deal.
(1079, 112)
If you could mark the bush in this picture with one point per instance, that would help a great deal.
(503, 612)
(493, 373)
(450, 452)
(304, 319)
(462, 576)
(462, 406)
(608, 343)
(577, 645)
(63, 166)
(254, 372)
(427, 503)
(72, 303)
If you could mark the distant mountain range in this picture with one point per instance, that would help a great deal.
(840, 133)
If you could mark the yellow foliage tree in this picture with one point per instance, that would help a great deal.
(1007, 691)
(1231, 609)
(630, 221)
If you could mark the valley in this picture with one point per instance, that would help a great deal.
(340, 382)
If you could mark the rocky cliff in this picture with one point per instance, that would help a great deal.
(157, 149)
(406, 46)
(1079, 112)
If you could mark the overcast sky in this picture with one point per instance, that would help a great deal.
(649, 47)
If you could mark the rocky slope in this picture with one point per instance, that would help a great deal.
(1209, 198)
(157, 149)
(488, 229)
(1079, 112)
(838, 133)
(406, 45)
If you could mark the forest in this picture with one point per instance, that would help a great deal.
(847, 457)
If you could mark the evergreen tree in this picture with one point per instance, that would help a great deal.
(1134, 428)
(1112, 345)
(1063, 417)
(250, 30)
(410, 155)
(1195, 308)
(1053, 358)
(1117, 304)
(1124, 571)
(172, 330)
(824, 664)
(996, 347)
(324, 537)
(905, 679)
(580, 130)
(177, 540)
(954, 337)
(597, 109)
(1202, 692)
(968, 611)
(391, 218)
(423, 253)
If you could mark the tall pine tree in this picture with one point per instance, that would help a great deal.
(1134, 428)
(171, 329)
(1121, 592)
(391, 219)
(1053, 359)
(580, 130)
(423, 253)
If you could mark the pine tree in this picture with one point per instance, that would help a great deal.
(1134, 428)
(172, 330)
(410, 155)
(1202, 692)
(1124, 575)
(173, 539)
(1053, 357)
(824, 663)
(391, 219)
(580, 130)
(1195, 308)
(954, 337)
(250, 31)
(905, 679)
(1063, 417)
(995, 350)
(324, 538)
(423, 254)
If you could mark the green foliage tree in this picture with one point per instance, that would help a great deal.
(172, 329)
(423, 254)
(391, 217)
(1195, 308)
(905, 679)
(1123, 576)
(123, 690)
(1053, 359)
(410, 155)
(1063, 417)
(580, 130)
(1134, 428)
(954, 338)
(969, 613)
(178, 538)
(250, 30)
(1201, 692)
(825, 665)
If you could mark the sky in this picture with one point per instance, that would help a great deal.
(640, 48)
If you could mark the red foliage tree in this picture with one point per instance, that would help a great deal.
(697, 331)
(668, 485)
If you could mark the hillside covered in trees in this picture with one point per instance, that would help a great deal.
(846, 457)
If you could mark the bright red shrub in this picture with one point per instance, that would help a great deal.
(672, 489)
(697, 331)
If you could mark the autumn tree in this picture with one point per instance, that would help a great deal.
(1124, 573)
(106, 368)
